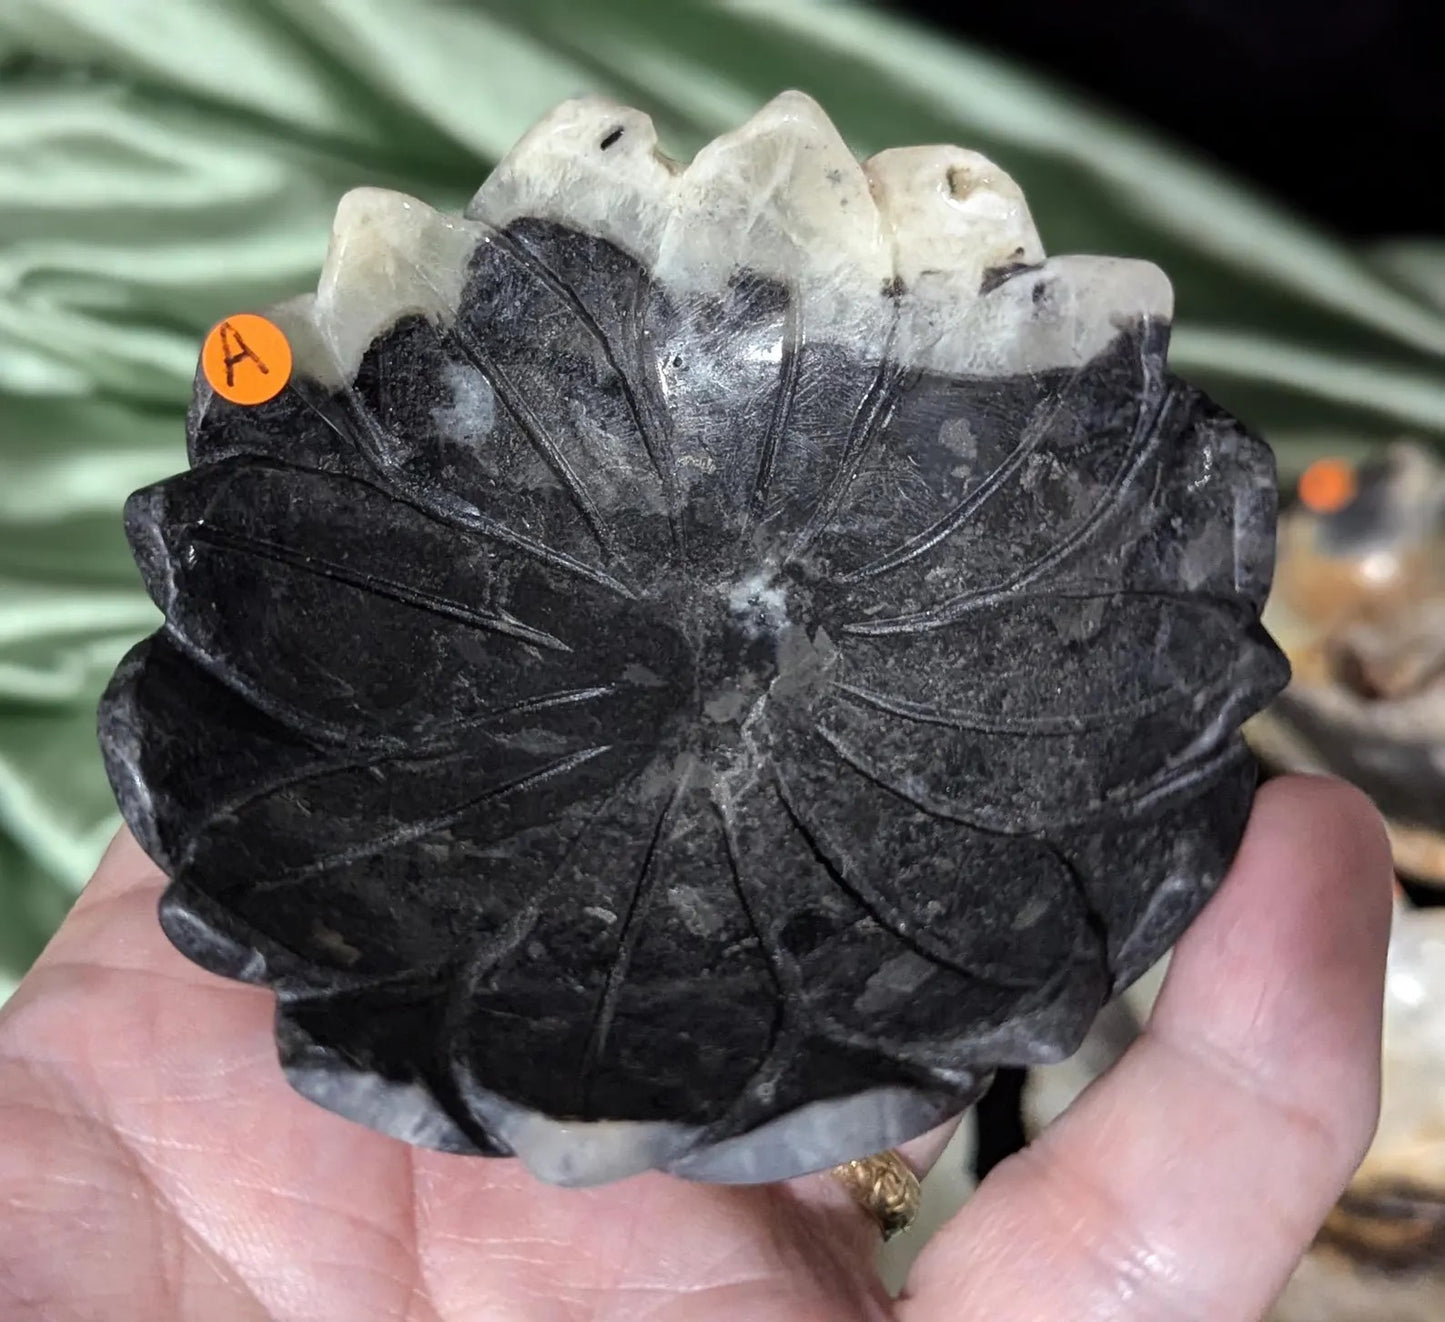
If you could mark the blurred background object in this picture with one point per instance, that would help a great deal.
(164, 163)
(1382, 1253)
(1359, 606)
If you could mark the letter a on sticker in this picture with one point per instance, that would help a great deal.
(246, 359)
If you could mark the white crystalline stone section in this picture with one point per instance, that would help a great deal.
(561, 170)
(783, 196)
(888, 258)
(390, 257)
(579, 1152)
(952, 215)
(810, 1138)
(311, 355)
(1060, 315)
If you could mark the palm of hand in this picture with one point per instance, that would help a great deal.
(153, 1163)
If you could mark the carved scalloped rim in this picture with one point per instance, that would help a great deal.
(891, 256)
(798, 1142)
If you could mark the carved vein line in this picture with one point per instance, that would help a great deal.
(1182, 598)
(375, 585)
(415, 830)
(785, 977)
(648, 365)
(789, 368)
(291, 717)
(373, 441)
(230, 807)
(436, 747)
(791, 1008)
(654, 440)
(1138, 798)
(503, 942)
(884, 914)
(516, 406)
(1146, 440)
(873, 412)
(532, 428)
(979, 722)
(1173, 781)
(542, 702)
(1093, 919)
(869, 772)
(925, 541)
(638, 904)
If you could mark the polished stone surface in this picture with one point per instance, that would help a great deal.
(699, 667)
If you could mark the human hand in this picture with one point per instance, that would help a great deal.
(155, 1165)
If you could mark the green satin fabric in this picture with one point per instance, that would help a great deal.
(166, 162)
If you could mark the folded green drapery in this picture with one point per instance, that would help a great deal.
(165, 162)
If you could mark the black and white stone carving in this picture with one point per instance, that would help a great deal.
(700, 665)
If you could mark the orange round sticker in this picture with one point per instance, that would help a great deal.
(1327, 485)
(247, 359)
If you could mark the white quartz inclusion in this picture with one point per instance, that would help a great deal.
(759, 605)
(468, 416)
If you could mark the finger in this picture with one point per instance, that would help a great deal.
(1187, 1182)
(113, 927)
(123, 869)
(922, 1153)
(116, 907)
(114, 922)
